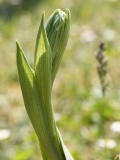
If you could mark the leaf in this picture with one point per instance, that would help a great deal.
(34, 107)
(64, 148)
(43, 68)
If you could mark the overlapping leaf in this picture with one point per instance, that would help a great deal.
(34, 106)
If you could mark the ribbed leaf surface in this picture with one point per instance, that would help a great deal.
(34, 107)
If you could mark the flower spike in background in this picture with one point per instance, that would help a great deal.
(102, 68)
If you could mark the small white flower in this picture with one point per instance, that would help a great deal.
(109, 34)
(108, 143)
(4, 134)
(88, 36)
(115, 126)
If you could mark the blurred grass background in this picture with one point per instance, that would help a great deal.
(77, 98)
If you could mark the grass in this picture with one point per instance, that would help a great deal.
(77, 94)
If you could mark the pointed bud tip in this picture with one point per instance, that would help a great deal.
(59, 12)
(43, 17)
(18, 47)
(68, 14)
(17, 44)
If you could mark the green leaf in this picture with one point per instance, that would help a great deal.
(34, 107)
(43, 68)
(64, 148)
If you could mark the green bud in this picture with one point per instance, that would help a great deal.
(57, 29)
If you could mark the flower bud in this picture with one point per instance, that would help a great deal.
(57, 29)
